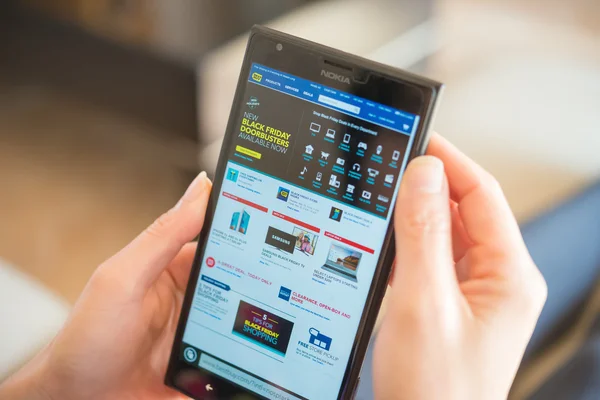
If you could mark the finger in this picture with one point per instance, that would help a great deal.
(460, 245)
(180, 267)
(485, 213)
(423, 232)
(460, 239)
(392, 273)
(147, 256)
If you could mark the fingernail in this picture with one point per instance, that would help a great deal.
(194, 185)
(425, 174)
(194, 189)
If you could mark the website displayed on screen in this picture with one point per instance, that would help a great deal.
(296, 236)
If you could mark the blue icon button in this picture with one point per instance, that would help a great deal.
(190, 354)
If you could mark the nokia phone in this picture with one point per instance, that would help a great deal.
(296, 250)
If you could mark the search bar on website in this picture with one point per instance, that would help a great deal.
(339, 104)
(243, 379)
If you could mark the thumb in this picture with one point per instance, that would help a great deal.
(145, 258)
(424, 264)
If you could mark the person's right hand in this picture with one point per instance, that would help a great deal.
(465, 295)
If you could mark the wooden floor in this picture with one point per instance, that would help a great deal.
(76, 184)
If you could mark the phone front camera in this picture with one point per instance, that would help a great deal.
(279, 47)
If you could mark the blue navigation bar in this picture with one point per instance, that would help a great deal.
(358, 107)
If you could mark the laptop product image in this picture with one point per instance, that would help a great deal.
(342, 261)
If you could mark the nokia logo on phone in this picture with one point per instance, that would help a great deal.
(337, 77)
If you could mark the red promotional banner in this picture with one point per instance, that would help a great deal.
(246, 202)
(349, 242)
(297, 222)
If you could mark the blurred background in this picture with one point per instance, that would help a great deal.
(108, 108)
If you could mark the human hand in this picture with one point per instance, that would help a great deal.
(117, 341)
(465, 295)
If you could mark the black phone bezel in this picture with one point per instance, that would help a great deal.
(390, 86)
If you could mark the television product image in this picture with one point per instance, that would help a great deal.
(342, 261)
(305, 241)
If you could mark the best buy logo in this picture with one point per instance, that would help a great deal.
(283, 193)
(256, 76)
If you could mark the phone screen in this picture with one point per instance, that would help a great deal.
(298, 229)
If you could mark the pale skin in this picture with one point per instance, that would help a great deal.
(464, 300)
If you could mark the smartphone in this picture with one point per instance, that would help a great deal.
(245, 222)
(234, 221)
(282, 304)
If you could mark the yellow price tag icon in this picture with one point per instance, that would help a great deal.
(256, 76)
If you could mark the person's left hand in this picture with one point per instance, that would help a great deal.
(117, 341)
